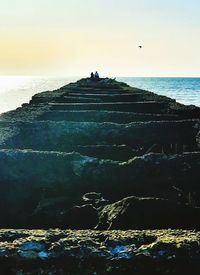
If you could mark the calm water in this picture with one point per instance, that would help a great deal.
(184, 90)
(17, 90)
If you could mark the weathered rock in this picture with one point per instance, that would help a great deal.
(102, 116)
(148, 213)
(31, 113)
(27, 177)
(44, 188)
(59, 252)
(24, 113)
(198, 139)
(39, 187)
(62, 136)
(141, 107)
(103, 97)
(112, 152)
(95, 199)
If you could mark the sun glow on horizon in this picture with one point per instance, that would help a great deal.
(43, 37)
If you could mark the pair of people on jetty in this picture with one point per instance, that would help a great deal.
(94, 76)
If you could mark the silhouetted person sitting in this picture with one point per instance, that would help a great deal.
(96, 76)
(92, 75)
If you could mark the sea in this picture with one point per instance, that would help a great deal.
(16, 90)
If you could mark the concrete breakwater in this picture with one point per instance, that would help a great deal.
(100, 155)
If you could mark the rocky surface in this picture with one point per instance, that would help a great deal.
(100, 155)
(160, 252)
(149, 213)
(63, 136)
(30, 178)
(97, 141)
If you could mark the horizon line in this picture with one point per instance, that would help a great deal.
(109, 76)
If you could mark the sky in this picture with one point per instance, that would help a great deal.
(75, 37)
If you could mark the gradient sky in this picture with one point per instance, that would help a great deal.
(74, 37)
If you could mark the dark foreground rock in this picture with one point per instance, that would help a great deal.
(106, 155)
(34, 183)
(148, 213)
(56, 252)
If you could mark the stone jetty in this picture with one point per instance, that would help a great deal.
(100, 155)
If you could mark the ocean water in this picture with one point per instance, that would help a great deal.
(184, 90)
(15, 90)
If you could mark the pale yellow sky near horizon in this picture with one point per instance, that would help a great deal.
(74, 37)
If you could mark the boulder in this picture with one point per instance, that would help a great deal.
(148, 213)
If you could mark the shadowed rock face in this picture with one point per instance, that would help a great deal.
(104, 155)
(151, 213)
(30, 178)
(102, 136)
(63, 136)
(106, 116)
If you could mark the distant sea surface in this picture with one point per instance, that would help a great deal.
(15, 90)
